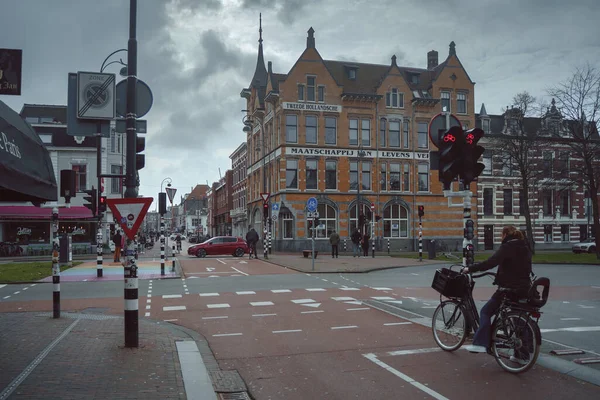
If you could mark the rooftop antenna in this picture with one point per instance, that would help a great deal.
(220, 176)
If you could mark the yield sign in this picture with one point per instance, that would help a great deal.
(129, 213)
(265, 196)
(171, 193)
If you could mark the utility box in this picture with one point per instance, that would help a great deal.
(431, 249)
(65, 254)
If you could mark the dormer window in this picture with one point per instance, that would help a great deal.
(352, 73)
(394, 99)
(414, 79)
(485, 125)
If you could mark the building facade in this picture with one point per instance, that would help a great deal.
(239, 211)
(355, 136)
(560, 206)
(222, 205)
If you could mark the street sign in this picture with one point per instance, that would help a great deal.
(130, 213)
(437, 127)
(141, 126)
(274, 217)
(311, 204)
(95, 95)
(11, 67)
(143, 99)
(81, 127)
(171, 193)
(312, 214)
(372, 206)
(265, 196)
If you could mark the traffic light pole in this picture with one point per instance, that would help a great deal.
(468, 248)
(99, 241)
(55, 266)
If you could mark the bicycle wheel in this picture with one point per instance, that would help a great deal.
(515, 343)
(449, 325)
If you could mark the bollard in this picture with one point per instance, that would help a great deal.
(373, 241)
(162, 244)
(131, 297)
(173, 267)
(388, 245)
(99, 244)
(344, 245)
(420, 240)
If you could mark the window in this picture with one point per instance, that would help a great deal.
(405, 184)
(46, 138)
(395, 221)
(547, 202)
(80, 177)
(548, 233)
(521, 201)
(353, 128)
(564, 233)
(461, 103)
(383, 181)
(485, 124)
(330, 130)
(330, 175)
(488, 201)
(353, 175)
(563, 164)
(310, 88)
(291, 128)
(487, 162)
(364, 210)
(291, 174)
(507, 165)
(547, 164)
(394, 99)
(445, 97)
(327, 220)
(423, 178)
(311, 174)
(321, 93)
(565, 197)
(405, 142)
(287, 221)
(352, 73)
(300, 92)
(311, 129)
(394, 176)
(423, 131)
(366, 175)
(365, 128)
(508, 201)
(394, 133)
(382, 129)
(116, 184)
(32, 120)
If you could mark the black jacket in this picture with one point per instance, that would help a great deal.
(252, 237)
(513, 259)
(356, 237)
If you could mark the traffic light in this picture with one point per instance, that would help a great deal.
(101, 204)
(92, 200)
(265, 211)
(469, 229)
(471, 167)
(140, 145)
(162, 203)
(470, 254)
(451, 154)
(421, 211)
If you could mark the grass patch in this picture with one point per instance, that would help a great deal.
(541, 257)
(27, 271)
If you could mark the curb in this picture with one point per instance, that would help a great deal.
(581, 372)
(348, 272)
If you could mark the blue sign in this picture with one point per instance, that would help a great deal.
(311, 204)
(275, 207)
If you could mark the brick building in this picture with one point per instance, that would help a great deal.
(308, 126)
(222, 202)
(239, 168)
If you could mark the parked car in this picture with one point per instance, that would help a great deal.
(589, 246)
(220, 245)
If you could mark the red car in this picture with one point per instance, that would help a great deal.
(220, 245)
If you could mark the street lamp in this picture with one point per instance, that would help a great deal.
(361, 155)
(168, 184)
(123, 71)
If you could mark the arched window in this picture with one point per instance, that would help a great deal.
(395, 221)
(366, 211)
(327, 221)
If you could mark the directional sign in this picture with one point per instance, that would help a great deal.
(95, 95)
(274, 217)
(311, 204)
(265, 196)
(130, 213)
(171, 193)
(275, 207)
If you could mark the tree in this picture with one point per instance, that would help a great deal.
(521, 146)
(578, 99)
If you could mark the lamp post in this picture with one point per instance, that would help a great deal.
(162, 229)
(361, 155)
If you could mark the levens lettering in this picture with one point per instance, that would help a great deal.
(395, 154)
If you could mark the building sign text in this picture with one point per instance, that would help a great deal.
(312, 107)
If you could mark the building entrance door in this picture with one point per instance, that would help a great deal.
(488, 237)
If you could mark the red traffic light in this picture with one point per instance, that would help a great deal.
(448, 137)
(472, 136)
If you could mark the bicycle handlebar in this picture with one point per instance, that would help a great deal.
(483, 274)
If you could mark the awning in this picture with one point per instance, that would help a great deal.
(26, 172)
(31, 212)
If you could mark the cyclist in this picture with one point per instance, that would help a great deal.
(178, 240)
(513, 259)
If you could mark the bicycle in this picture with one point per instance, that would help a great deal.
(515, 334)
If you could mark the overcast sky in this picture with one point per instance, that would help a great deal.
(197, 55)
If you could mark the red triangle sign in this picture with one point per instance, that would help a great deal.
(129, 213)
(265, 196)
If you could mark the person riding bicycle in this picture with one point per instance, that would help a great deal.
(178, 240)
(513, 259)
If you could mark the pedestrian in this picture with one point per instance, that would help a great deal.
(356, 237)
(334, 240)
(117, 241)
(365, 244)
(252, 239)
(513, 259)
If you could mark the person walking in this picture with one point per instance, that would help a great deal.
(117, 241)
(356, 237)
(334, 240)
(365, 244)
(252, 239)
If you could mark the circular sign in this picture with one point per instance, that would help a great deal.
(437, 127)
(129, 224)
(372, 206)
(130, 217)
(143, 98)
(96, 95)
(311, 204)
(123, 220)
(274, 217)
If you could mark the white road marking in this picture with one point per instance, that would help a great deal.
(6, 297)
(149, 296)
(579, 305)
(170, 320)
(171, 296)
(356, 302)
(17, 292)
(192, 277)
(148, 307)
(243, 273)
(313, 305)
(219, 317)
(344, 327)
(570, 319)
(315, 290)
(1, 286)
(85, 280)
(357, 309)
(311, 312)
(288, 331)
(25, 288)
(395, 301)
(343, 298)
(174, 308)
(412, 273)
(308, 275)
(243, 262)
(281, 291)
(349, 288)
(335, 283)
(372, 357)
(227, 334)
(213, 276)
(429, 307)
(263, 315)
(33, 284)
(261, 303)
(246, 292)
(566, 302)
(302, 301)
(208, 294)
(413, 351)
(596, 287)
(204, 273)
(324, 280)
(573, 329)
(397, 323)
(220, 305)
(382, 298)
(381, 288)
(147, 314)
(221, 261)
(410, 298)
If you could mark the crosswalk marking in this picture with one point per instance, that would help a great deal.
(174, 308)
(208, 294)
(315, 290)
(171, 296)
(349, 288)
(302, 301)
(261, 303)
(246, 292)
(382, 298)
(220, 305)
(281, 290)
(343, 298)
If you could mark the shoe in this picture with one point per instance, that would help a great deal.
(519, 360)
(475, 349)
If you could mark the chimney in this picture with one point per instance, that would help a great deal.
(270, 68)
(310, 40)
(432, 59)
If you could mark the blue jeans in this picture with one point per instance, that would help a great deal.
(356, 249)
(483, 335)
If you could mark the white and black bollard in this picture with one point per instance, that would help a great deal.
(55, 266)
(373, 241)
(420, 240)
(99, 260)
(344, 245)
(265, 246)
(162, 245)
(388, 245)
(131, 297)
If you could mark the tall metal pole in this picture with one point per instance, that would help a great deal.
(131, 191)
(55, 266)
(420, 239)
(99, 260)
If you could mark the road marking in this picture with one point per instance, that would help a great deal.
(149, 296)
(395, 301)
(33, 284)
(261, 303)
(147, 314)
(281, 291)
(25, 288)
(357, 309)
(397, 323)
(343, 298)
(324, 280)
(302, 301)
(220, 305)
(246, 292)
(381, 288)
(344, 327)
(243, 273)
(410, 298)
(148, 307)
(17, 292)
(335, 283)
(313, 305)
(566, 302)
(579, 305)
(570, 319)
(311, 312)
(85, 280)
(315, 290)
(412, 273)
(221, 261)
(349, 288)
(596, 287)
(219, 317)
(213, 276)
(356, 302)
(6, 297)
(243, 262)
(372, 357)
(208, 294)
(573, 329)
(429, 307)
(174, 308)
(382, 298)
(413, 351)
(170, 320)
(263, 315)
(288, 331)
(171, 296)
(227, 334)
